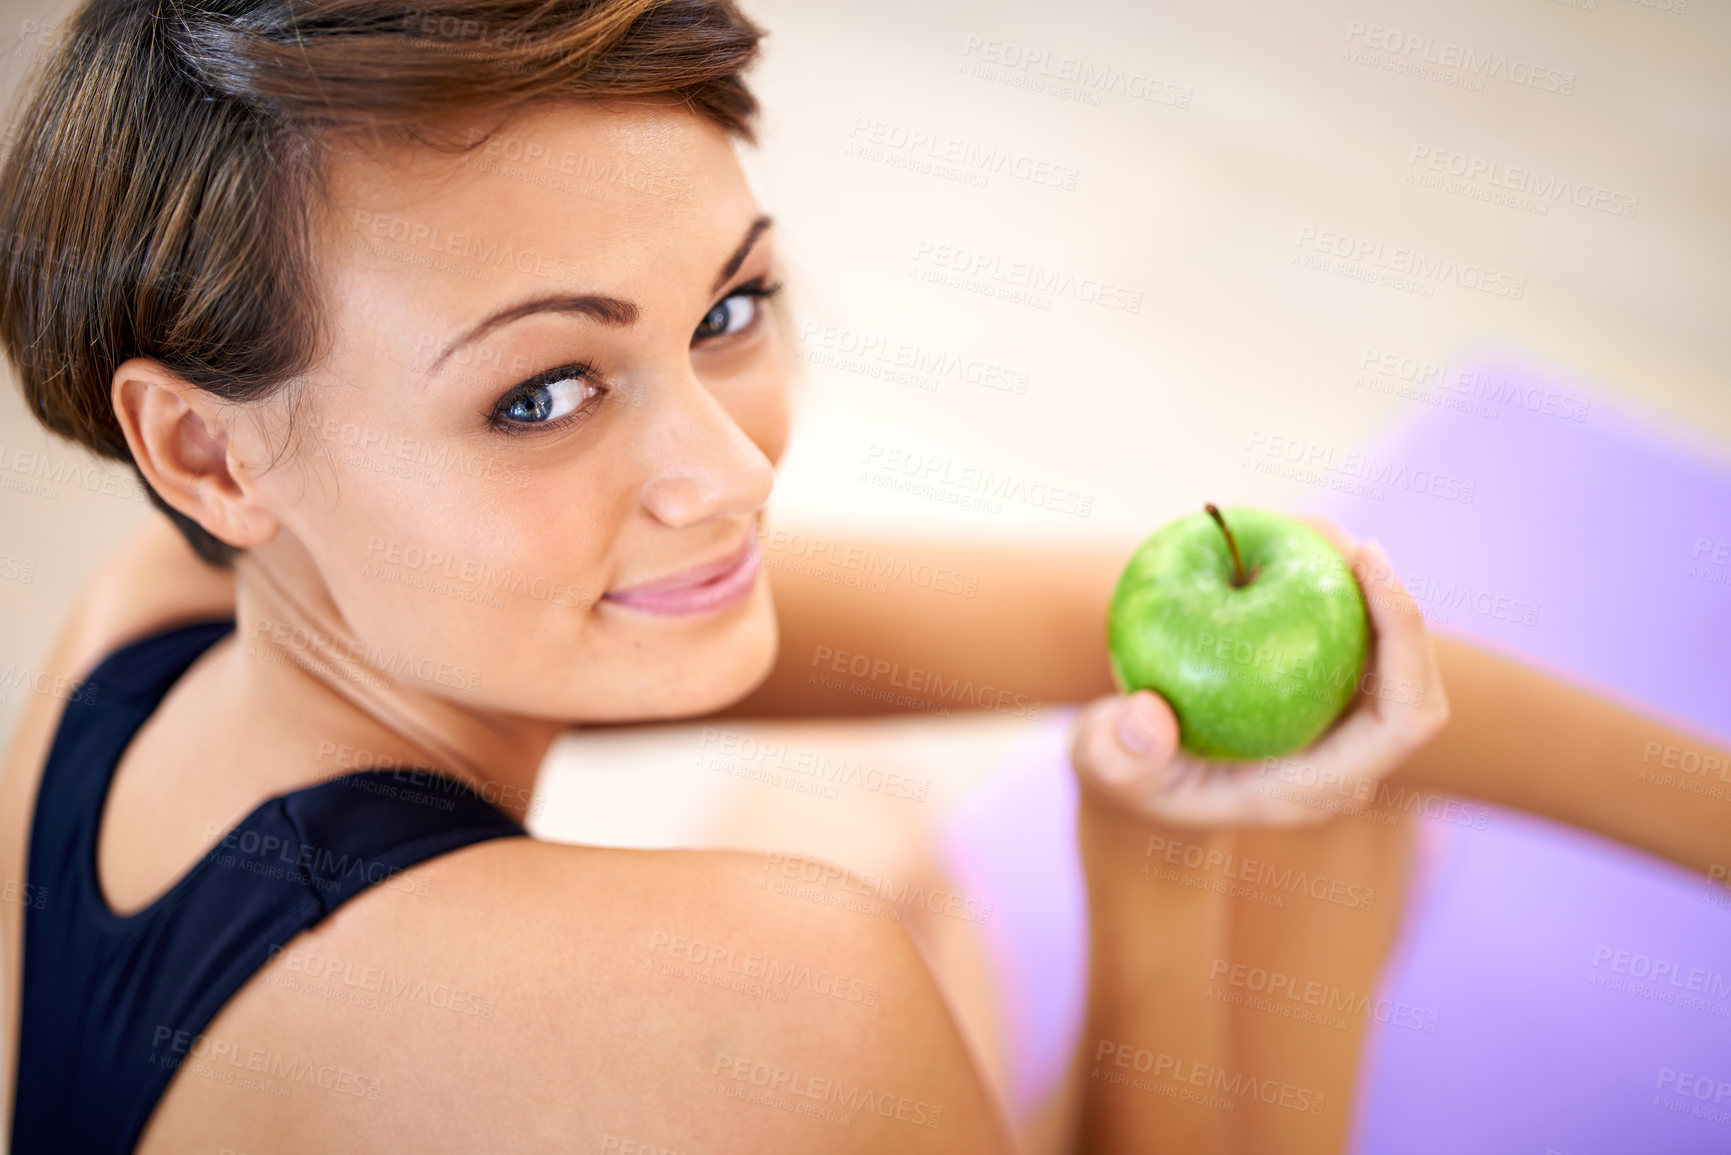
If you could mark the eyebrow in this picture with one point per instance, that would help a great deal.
(739, 254)
(615, 312)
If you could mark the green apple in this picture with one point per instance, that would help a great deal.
(1251, 626)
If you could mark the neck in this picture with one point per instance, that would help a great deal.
(303, 665)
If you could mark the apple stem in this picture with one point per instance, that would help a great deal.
(1239, 578)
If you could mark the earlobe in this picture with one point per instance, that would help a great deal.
(180, 441)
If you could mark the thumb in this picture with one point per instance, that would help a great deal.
(1125, 744)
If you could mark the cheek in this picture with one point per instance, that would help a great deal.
(357, 487)
(464, 558)
(497, 586)
(503, 532)
(768, 422)
(754, 391)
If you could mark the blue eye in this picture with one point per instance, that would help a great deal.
(735, 312)
(542, 403)
(545, 401)
(728, 316)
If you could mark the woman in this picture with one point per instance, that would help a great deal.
(350, 283)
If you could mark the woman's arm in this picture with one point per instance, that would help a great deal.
(1528, 741)
(1033, 634)
(1190, 864)
(879, 626)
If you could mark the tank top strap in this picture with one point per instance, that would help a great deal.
(103, 712)
(114, 1004)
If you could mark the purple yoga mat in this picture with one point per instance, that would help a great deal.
(1581, 991)
(1012, 842)
(1530, 939)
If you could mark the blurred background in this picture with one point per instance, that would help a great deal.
(1457, 275)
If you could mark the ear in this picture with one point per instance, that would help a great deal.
(179, 437)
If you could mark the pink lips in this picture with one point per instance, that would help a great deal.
(701, 590)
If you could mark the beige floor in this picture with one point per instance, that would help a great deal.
(1187, 157)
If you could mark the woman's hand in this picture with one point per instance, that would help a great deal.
(1125, 747)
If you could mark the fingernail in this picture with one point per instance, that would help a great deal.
(1137, 724)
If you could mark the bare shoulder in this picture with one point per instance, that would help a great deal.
(520, 995)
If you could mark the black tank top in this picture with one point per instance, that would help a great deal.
(112, 1005)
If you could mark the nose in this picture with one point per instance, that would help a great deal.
(701, 463)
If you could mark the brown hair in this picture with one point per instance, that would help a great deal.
(157, 200)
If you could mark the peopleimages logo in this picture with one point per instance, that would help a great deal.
(1480, 65)
(535, 154)
(735, 751)
(274, 856)
(1497, 387)
(1066, 77)
(1400, 261)
(1546, 187)
(915, 680)
(431, 568)
(1661, 971)
(786, 1087)
(310, 644)
(45, 471)
(990, 269)
(255, 1067)
(1368, 474)
(863, 560)
(1177, 1077)
(870, 353)
(1258, 872)
(884, 141)
(943, 474)
(821, 876)
(1292, 991)
(776, 973)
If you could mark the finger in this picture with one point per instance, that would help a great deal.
(1336, 536)
(1229, 794)
(1321, 782)
(1124, 745)
(1404, 669)
(1126, 749)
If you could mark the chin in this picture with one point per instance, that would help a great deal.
(748, 658)
(691, 677)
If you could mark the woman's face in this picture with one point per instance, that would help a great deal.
(553, 383)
